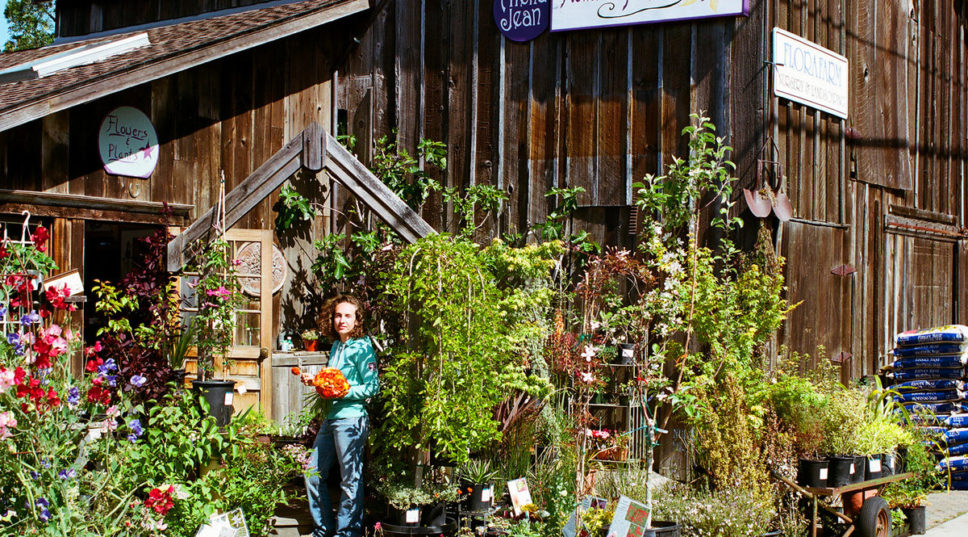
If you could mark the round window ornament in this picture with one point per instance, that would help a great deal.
(128, 143)
(250, 262)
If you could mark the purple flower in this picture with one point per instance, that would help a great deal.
(34, 475)
(112, 380)
(45, 463)
(13, 338)
(32, 317)
(44, 514)
(69, 473)
(73, 396)
(138, 381)
(132, 438)
(3, 312)
(42, 502)
(135, 426)
(108, 366)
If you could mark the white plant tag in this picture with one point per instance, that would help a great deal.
(852, 468)
(628, 353)
(487, 493)
(229, 397)
(874, 465)
(413, 516)
(823, 474)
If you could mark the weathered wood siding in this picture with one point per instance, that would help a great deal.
(600, 109)
(230, 115)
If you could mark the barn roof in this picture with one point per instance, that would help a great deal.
(172, 48)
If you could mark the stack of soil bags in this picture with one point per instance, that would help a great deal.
(928, 372)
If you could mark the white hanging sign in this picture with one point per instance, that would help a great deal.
(582, 14)
(128, 143)
(809, 74)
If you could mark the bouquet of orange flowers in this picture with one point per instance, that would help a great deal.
(330, 383)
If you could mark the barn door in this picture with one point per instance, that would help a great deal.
(248, 357)
(815, 278)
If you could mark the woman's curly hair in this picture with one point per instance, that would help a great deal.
(325, 319)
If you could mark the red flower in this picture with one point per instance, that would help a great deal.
(160, 502)
(52, 399)
(92, 365)
(39, 238)
(18, 375)
(56, 298)
(3, 250)
(98, 394)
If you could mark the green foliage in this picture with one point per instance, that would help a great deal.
(219, 295)
(454, 340)
(31, 24)
(404, 174)
(114, 304)
(293, 208)
(477, 471)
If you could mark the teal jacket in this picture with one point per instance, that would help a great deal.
(357, 360)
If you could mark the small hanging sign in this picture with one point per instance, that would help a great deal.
(128, 143)
(522, 20)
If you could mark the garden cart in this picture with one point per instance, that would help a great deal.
(864, 510)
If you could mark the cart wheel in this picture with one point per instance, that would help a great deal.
(874, 519)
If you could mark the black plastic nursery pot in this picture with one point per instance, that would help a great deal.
(812, 473)
(219, 395)
(860, 469)
(662, 529)
(873, 467)
(481, 497)
(840, 470)
(915, 519)
(888, 464)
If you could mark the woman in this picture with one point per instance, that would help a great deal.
(343, 432)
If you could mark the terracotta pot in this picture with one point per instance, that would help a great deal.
(310, 344)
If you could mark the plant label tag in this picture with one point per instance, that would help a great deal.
(874, 465)
(412, 516)
(487, 493)
(229, 397)
(852, 470)
(628, 353)
(823, 474)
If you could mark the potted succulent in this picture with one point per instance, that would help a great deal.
(310, 339)
(477, 479)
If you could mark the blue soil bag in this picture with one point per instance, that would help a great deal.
(960, 420)
(956, 464)
(925, 384)
(959, 476)
(915, 362)
(928, 419)
(930, 397)
(939, 349)
(959, 485)
(926, 373)
(937, 408)
(956, 436)
(949, 333)
(960, 449)
(933, 431)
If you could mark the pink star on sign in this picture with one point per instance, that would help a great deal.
(147, 151)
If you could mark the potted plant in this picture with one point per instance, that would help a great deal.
(909, 494)
(310, 339)
(477, 478)
(213, 326)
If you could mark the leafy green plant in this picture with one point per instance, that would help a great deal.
(309, 335)
(732, 512)
(293, 208)
(219, 295)
(478, 472)
(404, 174)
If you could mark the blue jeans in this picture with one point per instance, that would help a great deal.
(342, 441)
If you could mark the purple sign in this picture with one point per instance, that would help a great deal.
(522, 20)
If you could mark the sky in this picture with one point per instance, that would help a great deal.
(4, 33)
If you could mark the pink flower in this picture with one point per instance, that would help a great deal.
(6, 420)
(6, 379)
(112, 411)
(587, 377)
(221, 292)
(236, 262)
(589, 353)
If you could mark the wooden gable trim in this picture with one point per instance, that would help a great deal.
(313, 150)
(113, 83)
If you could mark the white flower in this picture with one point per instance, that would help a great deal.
(587, 377)
(589, 353)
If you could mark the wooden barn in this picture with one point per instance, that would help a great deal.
(256, 91)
